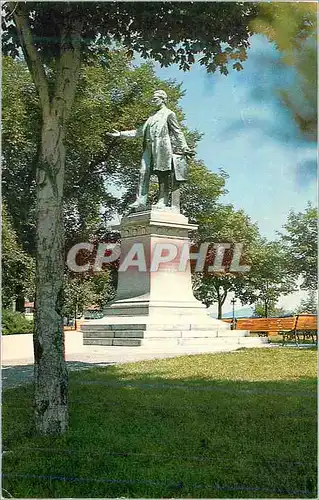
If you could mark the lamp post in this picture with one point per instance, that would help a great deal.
(233, 302)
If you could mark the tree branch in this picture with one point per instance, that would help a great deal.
(10, 13)
(31, 55)
(103, 157)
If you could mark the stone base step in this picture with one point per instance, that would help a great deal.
(146, 327)
(173, 342)
(142, 334)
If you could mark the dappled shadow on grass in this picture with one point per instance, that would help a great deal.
(15, 375)
(142, 433)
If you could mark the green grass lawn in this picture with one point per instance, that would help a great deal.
(232, 425)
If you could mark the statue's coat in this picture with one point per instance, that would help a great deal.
(163, 135)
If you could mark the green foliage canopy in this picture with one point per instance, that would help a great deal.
(168, 32)
(17, 265)
(268, 277)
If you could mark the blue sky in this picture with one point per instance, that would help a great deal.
(249, 134)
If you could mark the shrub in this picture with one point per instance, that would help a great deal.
(15, 322)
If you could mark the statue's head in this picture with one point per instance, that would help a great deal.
(159, 98)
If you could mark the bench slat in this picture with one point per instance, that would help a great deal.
(266, 324)
(307, 322)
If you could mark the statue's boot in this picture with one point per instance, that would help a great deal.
(163, 181)
(139, 204)
(160, 204)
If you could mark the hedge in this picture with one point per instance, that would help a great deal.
(15, 322)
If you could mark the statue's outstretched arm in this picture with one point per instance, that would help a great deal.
(126, 133)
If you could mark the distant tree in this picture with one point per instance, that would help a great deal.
(268, 278)
(309, 305)
(224, 224)
(300, 241)
(104, 286)
(87, 289)
(272, 310)
(78, 295)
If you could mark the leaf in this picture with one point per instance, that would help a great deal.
(238, 66)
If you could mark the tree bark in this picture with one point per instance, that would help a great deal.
(51, 378)
(220, 310)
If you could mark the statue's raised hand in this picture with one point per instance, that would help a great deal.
(115, 133)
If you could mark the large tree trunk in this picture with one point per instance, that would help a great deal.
(51, 380)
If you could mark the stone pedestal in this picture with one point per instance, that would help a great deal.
(154, 304)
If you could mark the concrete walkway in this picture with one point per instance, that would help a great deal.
(17, 355)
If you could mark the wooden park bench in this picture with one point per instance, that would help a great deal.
(306, 328)
(291, 328)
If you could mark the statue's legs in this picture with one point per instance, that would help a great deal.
(176, 193)
(163, 185)
(145, 175)
(144, 181)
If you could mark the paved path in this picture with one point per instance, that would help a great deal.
(17, 355)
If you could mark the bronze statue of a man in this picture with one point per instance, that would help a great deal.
(165, 153)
